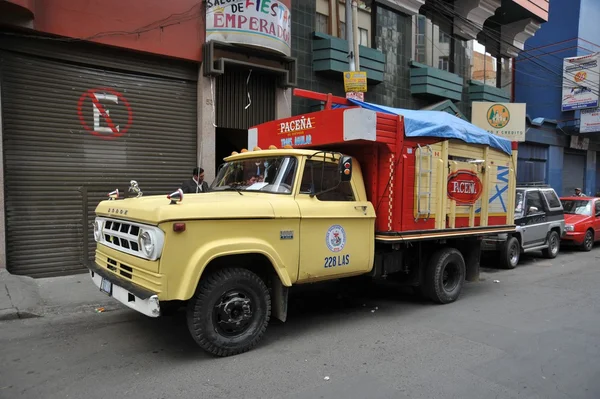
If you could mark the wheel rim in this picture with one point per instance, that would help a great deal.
(553, 244)
(233, 314)
(450, 277)
(589, 242)
(513, 254)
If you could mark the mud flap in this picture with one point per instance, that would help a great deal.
(279, 302)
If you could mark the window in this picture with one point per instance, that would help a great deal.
(325, 176)
(578, 207)
(597, 208)
(322, 23)
(483, 64)
(443, 37)
(343, 30)
(552, 199)
(364, 37)
(534, 199)
(266, 174)
(433, 42)
(444, 64)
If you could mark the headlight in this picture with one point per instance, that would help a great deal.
(97, 230)
(147, 243)
(569, 227)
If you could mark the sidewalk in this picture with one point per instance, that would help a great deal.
(24, 297)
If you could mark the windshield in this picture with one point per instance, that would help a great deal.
(266, 174)
(577, 207)
(519, 202)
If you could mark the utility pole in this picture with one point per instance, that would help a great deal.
(350, 35)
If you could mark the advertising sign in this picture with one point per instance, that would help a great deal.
(502, 119)
(581, 82)
(464, 187)
(589, 120)
(355, 82)
(263, 23)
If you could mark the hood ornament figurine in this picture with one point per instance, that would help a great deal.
(135, 189)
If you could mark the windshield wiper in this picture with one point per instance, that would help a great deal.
(236, 189)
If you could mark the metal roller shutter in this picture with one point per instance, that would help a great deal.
(573, 172)
(57, 168)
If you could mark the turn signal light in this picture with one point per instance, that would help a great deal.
(244, 150)
(257, 148)
(347, 165)
(179, 227)
(272, 147)
(287, 146)
(346, 171)
(234, 153)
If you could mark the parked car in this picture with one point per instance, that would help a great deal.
(540, 222)
(582, 221)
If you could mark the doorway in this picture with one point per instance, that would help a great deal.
(227, 141)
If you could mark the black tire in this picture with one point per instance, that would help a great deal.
(553, 245)
(588, 241)
(228, 295)
(510, 253)
(444, 276)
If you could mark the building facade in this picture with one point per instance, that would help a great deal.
(94, 94)
(556, 150)
(418, 54)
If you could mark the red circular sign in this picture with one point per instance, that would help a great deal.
(464, 187)
(110, 130)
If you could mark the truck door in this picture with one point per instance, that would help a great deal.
(535, 230)
(336, 229)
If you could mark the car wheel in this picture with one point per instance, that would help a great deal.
(588, 241)
(230, 312)
(445, 276)
(553, 245)
(510, 252)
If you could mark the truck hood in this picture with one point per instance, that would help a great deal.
(576, 219)
(215, 205)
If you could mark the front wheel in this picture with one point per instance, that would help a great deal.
(445, 276)
(588, 241)
(230, 312)
(553, 245)
(510, 253)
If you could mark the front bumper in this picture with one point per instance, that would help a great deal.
(129, 294)
(574, 237)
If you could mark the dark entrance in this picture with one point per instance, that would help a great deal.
(227, 141)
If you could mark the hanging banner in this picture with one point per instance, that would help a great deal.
(502, 119)
(589, 120)
(263, 23)
(581, 82)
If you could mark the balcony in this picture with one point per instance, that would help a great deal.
(482, 92)
(330, 55)
(429, 82)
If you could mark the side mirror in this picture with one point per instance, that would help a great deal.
(533, 209)
(345, 168)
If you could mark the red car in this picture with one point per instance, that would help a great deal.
(582, 221)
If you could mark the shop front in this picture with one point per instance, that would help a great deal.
(78, 121)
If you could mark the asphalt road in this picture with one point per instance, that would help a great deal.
(534, 334)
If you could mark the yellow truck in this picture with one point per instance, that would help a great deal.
(352, 191)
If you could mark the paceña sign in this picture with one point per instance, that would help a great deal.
(464, 187)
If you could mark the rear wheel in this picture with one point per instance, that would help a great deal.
(445, 276)
(510, 252)
(553, 245)
(588, 241)
(230, 312)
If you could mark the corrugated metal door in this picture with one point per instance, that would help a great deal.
(531, 163)
(72, 133)
(238, 88)
(573, 172)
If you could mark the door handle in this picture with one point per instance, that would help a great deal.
(362, 208)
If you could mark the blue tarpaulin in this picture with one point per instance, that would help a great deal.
(440, 124)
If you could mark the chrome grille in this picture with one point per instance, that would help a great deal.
(122, 235)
